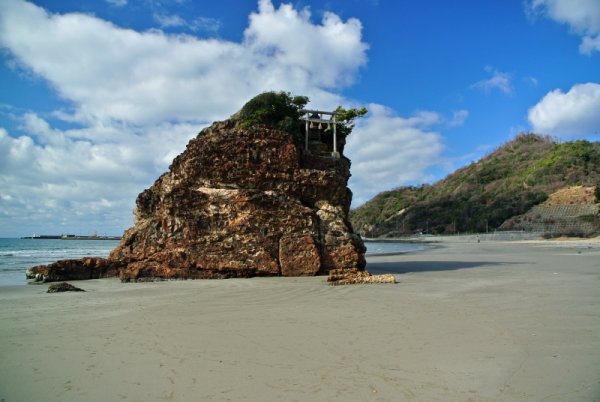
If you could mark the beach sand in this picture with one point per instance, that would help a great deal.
(485, 321)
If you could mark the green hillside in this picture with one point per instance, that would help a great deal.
(482, 195)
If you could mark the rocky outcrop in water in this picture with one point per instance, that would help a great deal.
(242, 202)
(238, 202)
(84, 268)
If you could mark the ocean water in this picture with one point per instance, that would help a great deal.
(16, 255)
(374, 248)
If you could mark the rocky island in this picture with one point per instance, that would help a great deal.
(260, 194)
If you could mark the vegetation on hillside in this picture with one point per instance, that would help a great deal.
(481, 196)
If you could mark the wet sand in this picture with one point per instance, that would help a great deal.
(485, 321)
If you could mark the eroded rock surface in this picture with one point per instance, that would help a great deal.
(240, 203)
(357, 277)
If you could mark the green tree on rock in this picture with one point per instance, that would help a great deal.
(348, 119)
(281, 110)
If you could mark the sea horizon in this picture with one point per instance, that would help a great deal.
(17, 255)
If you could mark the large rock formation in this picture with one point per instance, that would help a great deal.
(242, 202)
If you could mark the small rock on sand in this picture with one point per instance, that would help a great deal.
(63, 287)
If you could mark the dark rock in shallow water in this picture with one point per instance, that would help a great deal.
(68, 270)
(63, 287)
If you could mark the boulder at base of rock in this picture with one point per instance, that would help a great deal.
(354, 277)
(68, 270)
(63, 287)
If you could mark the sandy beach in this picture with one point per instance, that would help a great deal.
(489, 321)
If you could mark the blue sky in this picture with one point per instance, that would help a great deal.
(99, 96)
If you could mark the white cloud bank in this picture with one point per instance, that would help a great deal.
(138, 97)
(576, 112)
(110, 73)
(50, 179)
(582, 16)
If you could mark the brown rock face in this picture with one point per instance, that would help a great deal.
(239, 203)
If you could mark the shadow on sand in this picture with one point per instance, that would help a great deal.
(425, 266)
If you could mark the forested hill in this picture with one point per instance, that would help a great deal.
(482, 195)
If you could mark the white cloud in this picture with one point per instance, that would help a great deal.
(589, 44)
(388, 151)
(110, 73)
(576, 112)
(458, 118)
(206, 24)
(137, 98)
(499, 80)
(69, 177)
(582, 16)
(167, 21)
(117, 3)
(532, 81)
(328, 54)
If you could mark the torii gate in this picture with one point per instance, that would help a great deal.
(307, 116)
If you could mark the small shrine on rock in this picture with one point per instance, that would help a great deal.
(320, 132)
